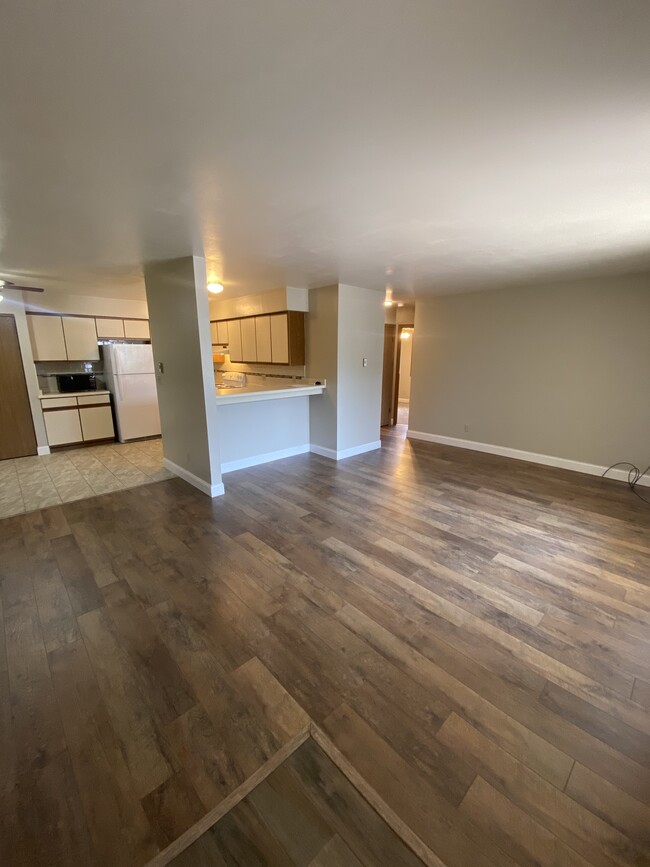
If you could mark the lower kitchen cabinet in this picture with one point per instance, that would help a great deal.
(96, 422)
(77, 419)
(63, 426)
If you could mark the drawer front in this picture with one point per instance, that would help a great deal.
(63, 427)
(55, 402)
(94, 399)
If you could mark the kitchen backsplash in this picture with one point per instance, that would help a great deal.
(46, 372)
(283, 370)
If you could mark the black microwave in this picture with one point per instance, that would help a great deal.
(76, 382)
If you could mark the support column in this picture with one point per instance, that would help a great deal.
(345, 325)
(182, 349)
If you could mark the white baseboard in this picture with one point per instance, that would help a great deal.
(229, 466)
(201, 484)
(43, 450)
(344, 453)
(519, 455)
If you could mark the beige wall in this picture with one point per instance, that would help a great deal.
(321, 347)
(361, 335)
(180, 337)
(345, 324)
(259, 304)
(51, 301)
(559, 370)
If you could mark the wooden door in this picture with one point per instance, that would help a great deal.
(388, 375)
(17, 437)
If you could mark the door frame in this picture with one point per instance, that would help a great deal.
(398, 358)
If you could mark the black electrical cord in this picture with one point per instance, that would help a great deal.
(634, 475)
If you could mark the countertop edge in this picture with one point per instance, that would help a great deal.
(272, 394)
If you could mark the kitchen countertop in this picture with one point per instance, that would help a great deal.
(44, 395)
(265, 392)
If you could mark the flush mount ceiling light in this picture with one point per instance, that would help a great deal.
(388, 301)
(215, 288)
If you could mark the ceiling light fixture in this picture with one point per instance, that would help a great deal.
(388, 301)
(215, 288)
(405, 335)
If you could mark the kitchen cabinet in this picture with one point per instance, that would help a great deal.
(46, 337)
(213, 333)
(110, 328)
(273, 338)
(234, 340)
(63, 426)
(78, 418)
(248, 344)
(263, 339)
(222, 332)
(80, 338)
(137, 329)
(280, 339)
(96, 422)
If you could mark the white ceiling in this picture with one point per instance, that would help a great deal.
(432, 144)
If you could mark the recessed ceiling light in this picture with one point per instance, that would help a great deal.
(388, 302)
(215, 288)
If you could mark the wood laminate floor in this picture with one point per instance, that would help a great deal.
(471, 633)
(305, 814)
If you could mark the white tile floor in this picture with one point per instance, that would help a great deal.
(37, 482)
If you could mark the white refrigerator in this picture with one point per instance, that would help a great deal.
(130, 377)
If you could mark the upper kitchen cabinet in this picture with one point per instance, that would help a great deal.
(288, 338)
(234, 340)
(109, 328)
(46, 336)
(263, 339)
(80, 338)
(272, 338)
(248, 343)
(137, 329)
(213, 333)
(222, 332)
